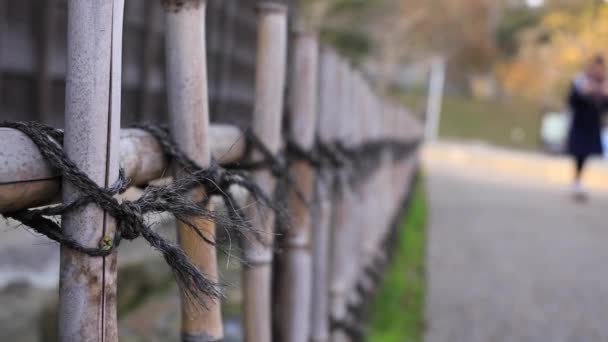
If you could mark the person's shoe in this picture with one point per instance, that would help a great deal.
(578, 192)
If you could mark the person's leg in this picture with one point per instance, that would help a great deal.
(577, 188)
(580, 165)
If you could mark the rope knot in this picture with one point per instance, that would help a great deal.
(212, 178)
(131, 220)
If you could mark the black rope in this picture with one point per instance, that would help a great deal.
(129, 215)
(218, 182)
(279, 166)
(352, 330)
(297, 153)
(358, 161)
(336, 155)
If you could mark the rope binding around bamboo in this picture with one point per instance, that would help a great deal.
(358, 162)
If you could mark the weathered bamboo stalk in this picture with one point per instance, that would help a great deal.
(27, 181)
(87, 287)
(269, 85)
(189, 123)
(368, 203)
(379, 221)
(388, 207)
(344, 210)
(368, 196)
(326, 130)
(363, 208)
(375, 219)
(295, 264)
(367, 199)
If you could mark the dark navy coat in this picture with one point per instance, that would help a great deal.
(584, 138)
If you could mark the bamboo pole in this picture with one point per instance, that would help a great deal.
(367, 203)
(189, 123)
(385, 210)
(362, 211)
(345, 206)
(87, 287)
(363, 206)
(380, 221)
(375, 219)
(269, 88)
(295, 263)
(326, 130)
(27, 181)
(390, 201)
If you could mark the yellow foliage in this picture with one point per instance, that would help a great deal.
(552, 52)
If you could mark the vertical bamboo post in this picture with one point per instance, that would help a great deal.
(189, 123)
(401, 174)
(326, 129)
(384, 210)
(367, 122)
(379, 220)
(268, 109)
(388, 128)
(359, 211)
(388, 200)
(395, 130)
(387, 120)
(376, 222)
(87, 287)
(295, 273)
(368, 195)
(410, 129)
(344, 202)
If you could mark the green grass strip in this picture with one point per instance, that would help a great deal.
(398, 310)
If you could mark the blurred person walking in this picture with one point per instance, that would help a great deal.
(588, 99)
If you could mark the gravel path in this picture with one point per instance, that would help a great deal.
(510, 260)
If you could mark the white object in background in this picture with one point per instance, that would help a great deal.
(605, 141)
(435, 97)
(554, 131)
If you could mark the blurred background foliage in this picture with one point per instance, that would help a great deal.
(514, 58)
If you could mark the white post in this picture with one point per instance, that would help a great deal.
(435, 97)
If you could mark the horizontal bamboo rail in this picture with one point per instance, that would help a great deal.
(27, 181)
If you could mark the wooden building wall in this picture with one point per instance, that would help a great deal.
(33, 59)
